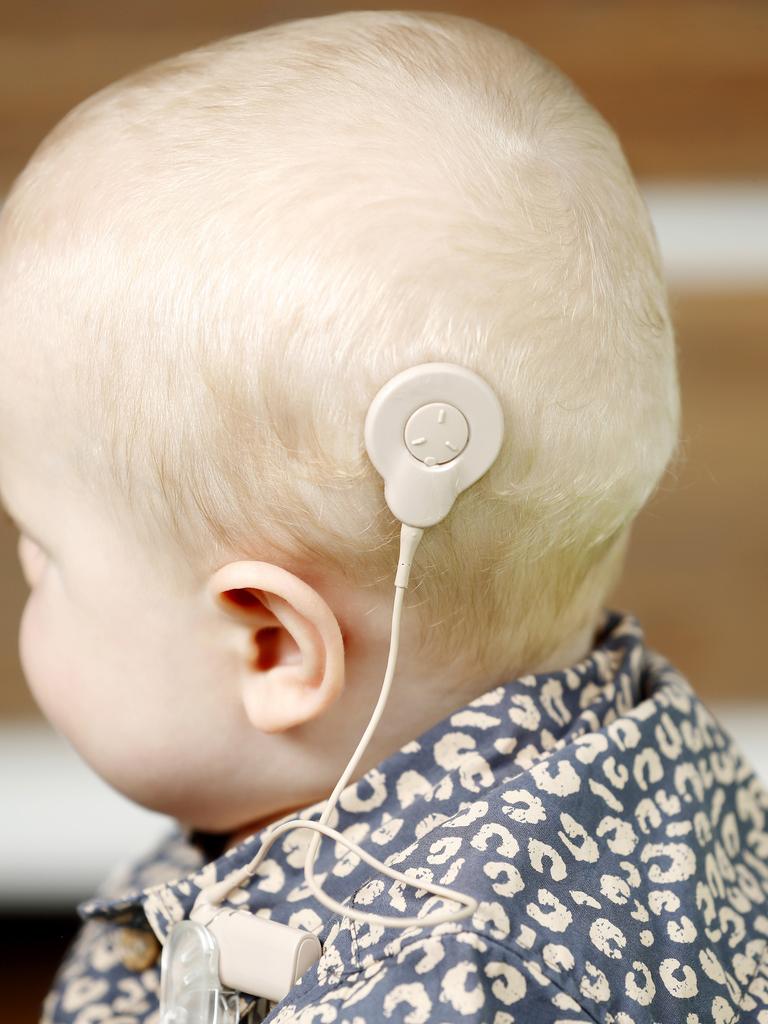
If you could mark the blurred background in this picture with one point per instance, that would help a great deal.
(685, 85)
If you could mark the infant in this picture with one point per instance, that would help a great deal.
(207, 272)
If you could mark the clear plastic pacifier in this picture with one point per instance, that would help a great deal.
(190, 991)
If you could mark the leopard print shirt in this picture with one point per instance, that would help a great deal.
(609, 828)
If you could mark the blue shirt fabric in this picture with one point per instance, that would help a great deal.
(610, 829)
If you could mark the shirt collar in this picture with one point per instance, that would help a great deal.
(492, 739)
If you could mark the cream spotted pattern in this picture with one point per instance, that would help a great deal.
(611, 831)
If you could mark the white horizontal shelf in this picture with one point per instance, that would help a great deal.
(64, 829)
(711, 235)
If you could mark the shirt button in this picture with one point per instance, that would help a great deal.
(137, 948)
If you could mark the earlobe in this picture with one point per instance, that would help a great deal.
(294, 670)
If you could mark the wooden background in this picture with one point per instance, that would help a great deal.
(686, 87)
(684, 82)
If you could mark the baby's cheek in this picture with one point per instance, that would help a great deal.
(35, 661)
(61, 689)
(45, 667)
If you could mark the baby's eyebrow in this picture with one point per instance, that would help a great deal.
(16, 522)
(3, 501)
(22, 529)
(7, 515)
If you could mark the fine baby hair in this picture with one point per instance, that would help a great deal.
(296, 213)
(431, 432)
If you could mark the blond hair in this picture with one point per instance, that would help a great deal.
(241, 244)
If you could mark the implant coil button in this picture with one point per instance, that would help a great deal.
(436, 433)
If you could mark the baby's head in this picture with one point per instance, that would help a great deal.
(207, 271)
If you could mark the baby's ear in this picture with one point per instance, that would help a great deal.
(291, 654)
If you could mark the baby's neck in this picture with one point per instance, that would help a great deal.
(572, 651)
(256, 826)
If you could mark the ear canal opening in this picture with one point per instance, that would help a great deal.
(269, 641)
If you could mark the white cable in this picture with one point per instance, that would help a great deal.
(410, 536)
